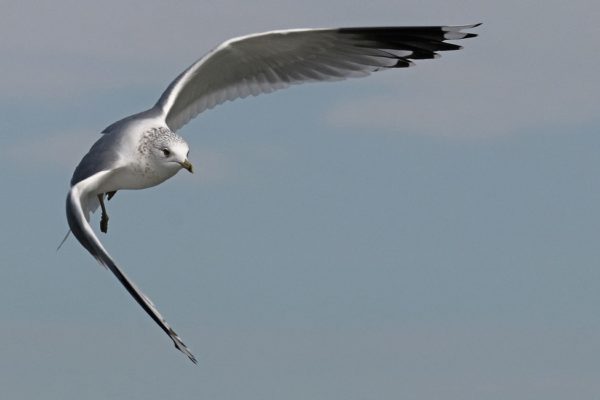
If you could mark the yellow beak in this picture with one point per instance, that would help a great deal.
(187, 165)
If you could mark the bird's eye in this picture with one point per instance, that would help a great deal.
(166, 152)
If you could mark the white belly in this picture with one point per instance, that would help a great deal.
(136, 178)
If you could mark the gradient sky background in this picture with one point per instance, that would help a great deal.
(419, 234)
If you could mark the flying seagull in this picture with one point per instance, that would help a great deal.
(143, 150)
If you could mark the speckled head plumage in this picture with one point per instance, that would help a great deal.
(164, 152)
(159, 138)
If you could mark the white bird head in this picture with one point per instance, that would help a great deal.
(168, 151)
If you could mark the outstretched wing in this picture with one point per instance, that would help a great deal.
(77, 216)
(262, 63)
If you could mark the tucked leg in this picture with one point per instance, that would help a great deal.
(104, 218)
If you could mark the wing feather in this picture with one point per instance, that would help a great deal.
(78, 198)
(265, 62)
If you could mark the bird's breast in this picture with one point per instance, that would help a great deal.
(140, 176)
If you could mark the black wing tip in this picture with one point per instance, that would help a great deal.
(179, 345)
(403, 63)
(408, 29)
(423, 41)
(462, 27)
(189, 355)
(469, 35)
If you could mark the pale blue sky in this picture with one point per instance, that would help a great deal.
(420, 234)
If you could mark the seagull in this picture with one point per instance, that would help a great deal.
(143, 150)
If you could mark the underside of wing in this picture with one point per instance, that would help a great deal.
(77, 199)
(262, 63)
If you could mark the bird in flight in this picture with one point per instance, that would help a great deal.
(143, 150)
